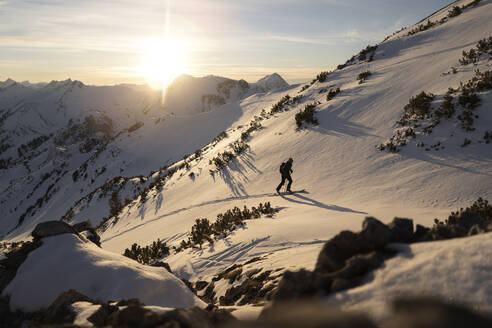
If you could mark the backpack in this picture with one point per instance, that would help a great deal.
(282, 167)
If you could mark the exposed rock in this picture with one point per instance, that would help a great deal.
(94, 237)
(359, 265)
(134, 316)
(9, 266)
(422, 234)
(308, 315)
(338, 249)
(401, 230)
(6, 276)
(138, 316)
(431, 312)
(374, 235)
(60, 311)
(233, 275)
(226, 271)
(340, 284)
(130, 302)
(82, 226)
(209, 294)
(52, 228)
(196, 318)
(375, 232)
(249, 289)
(199, 285)
(161, 264)
(296, 285)
(189, 285)
(14, 260)
(89, 232)
(102, 316)
(9, 319)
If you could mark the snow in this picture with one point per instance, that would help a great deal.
(346, 178)
(83, 311)
(457, 270)
(64, 262)
(271, 82)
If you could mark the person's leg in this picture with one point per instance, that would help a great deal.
(281, 183)
(290, 183)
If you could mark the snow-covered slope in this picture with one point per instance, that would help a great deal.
(66, 262)
(190, 95)
(337, 161)
(459, 269)
(64, 141)
(271, 82)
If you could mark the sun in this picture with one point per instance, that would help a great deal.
(162, 61)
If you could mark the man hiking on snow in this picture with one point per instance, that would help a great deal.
(286, 170)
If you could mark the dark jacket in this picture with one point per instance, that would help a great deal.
(287, 169)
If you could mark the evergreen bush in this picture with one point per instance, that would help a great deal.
(332, 93)
(204, 231)
(306, 115)
(322, 76)
(456, 11)
(362, 77)
(147, 254)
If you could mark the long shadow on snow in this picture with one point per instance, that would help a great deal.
(308, 201)
(483, 160)
(233, 174)
(331, 124)
(311, 202)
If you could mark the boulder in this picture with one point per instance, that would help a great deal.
(295, 285)
(422, 234)
(359, 265)
(60, 311)
(340, 284)
(209, 294)
(338, 249)
(88, 231)
(101, 317)
(52, 228)
(375, 232)
(432, 312)
(6, 276)
(308, 314)
(138, 316)
(83, 226)
(401, 230)
(135, 316)
(199, 285)
(162, 264)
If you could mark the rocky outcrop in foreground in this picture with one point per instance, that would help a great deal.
(406, 313)
(17, 255)
(347, 258)
(343, 263)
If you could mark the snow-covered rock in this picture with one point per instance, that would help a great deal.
(189, 95)
(457, 270)
(65, 262)
(270, 83)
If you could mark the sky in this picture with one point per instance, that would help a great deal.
(106, 42)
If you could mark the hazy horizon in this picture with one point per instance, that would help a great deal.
(114, 42)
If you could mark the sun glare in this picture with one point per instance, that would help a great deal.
(163, 60)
